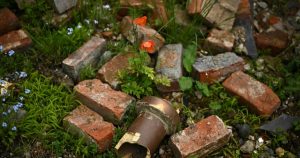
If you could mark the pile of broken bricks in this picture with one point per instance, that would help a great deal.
(103, 106)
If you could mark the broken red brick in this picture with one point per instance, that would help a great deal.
(109, 72)
(138, 34)
(276, 41)
(88, 124)
(210, 69)
(98, 96)
(201, 139)
(15, 40)
(259, 97)
(220, 13)
(219, 41)
(8, 21)
(86, 55)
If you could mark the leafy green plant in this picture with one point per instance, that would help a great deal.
(296, 125)
(187, 83)
(139, 79)
(88, 72)
(189, 57)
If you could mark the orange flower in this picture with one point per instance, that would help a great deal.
(148, 46)
(140, 21)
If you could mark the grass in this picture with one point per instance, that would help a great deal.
(47, 104)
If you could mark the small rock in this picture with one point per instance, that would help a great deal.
(219, 41)
(248, 147)
(63, 5)
(243, 130)
(280, 152)
(282, 123)
(263, 5)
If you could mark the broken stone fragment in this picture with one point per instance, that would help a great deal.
(109, 72)
(200, 139)
(281, 124)
(88, 54)
(276, 41)
(63, 5)
(98, 96)
(219, 41)
(155, 114)
(8, 21)
(23, 3)
(15, 40)
(158, 7)
(210, 69)
(89, 125)
(259, 97)
(58, 20)
(4, 87)
(220, 13)
(137, 34)
(169, 63)
(244, 29)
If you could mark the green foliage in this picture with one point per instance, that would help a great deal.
(189, 57)
(139, 79)
(296, 125)
(88, 72)
(214, 105)
(187, 83)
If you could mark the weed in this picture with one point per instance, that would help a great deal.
(88, 72)
(139, 79)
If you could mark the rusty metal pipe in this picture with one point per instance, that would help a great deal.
(157, 118)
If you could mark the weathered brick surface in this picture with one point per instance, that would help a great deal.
(109, 71)
(200, 139)
(210, 69)
(22, 3)
(63, 5)
(259, 97)
(88, 54)
(220, 13)
(219, 41)
(134, 3)
(15, 40)
(8, 21)
(135, 33)
(276, 41)
(169, 63)
(98, 96)
(88, 124)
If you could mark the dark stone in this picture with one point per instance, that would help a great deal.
(243, 130)
(282, 123)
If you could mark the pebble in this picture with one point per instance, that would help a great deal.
(259, 142)
(263, 5)
(248, 147)
(280, 152)
(243, 130)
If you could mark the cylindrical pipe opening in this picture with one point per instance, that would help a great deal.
(128, 150)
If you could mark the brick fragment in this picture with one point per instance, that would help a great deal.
(220, 13)
(109, 72)
(139, 34)
(169, 63)
(210, 69)
(88, 54)
(8, 21)
(63, 5)
(86, 123)
(98, 96)
(259, 97)
(201, 139)
(276, 41)
(219, 41)
(15, 40)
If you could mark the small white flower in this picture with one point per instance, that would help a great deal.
(22, 74)
(3, 99)
(1, 48)
(14, 128)
(4, 124)
(69, 31)
(21, 98)
(4, 113)
(16, 108)
(106, 6)
(79, 26)
(11, 52)
(27, 91)
(96, 22)
(87, 21)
